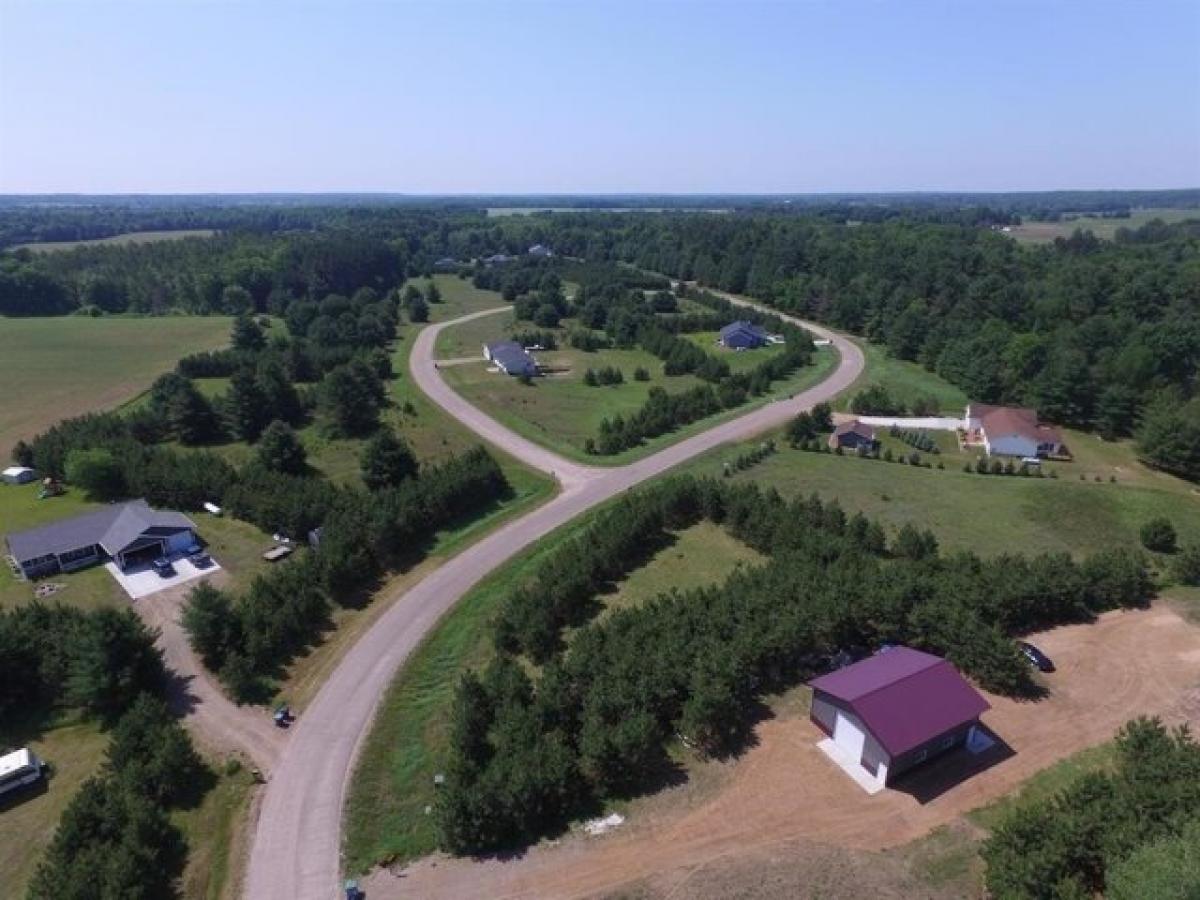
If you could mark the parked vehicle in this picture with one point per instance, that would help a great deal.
(163, 567)
(1036, 657)
(19, 769)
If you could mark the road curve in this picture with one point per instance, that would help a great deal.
(295, 851)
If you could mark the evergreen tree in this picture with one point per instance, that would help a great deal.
(387, 461)
(247, 408)
(281, 451)
(247, 335)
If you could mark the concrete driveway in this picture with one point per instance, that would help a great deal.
(142, 581)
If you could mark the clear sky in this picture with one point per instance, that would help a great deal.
(573, 96)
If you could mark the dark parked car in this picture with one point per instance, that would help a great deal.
(163, 567)
(1036, 657)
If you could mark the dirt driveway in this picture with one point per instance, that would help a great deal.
(784, 790)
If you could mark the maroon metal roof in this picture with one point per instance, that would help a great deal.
(904, 697)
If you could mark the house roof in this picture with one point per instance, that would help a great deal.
(904, 697)
(743, 327)
(854, 426)
(509, 355)
(114, 528)
(1001, 420)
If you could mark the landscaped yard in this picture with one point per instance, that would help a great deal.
(55, 368)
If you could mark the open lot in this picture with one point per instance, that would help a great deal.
(1046, 232)
(905, 381)
(783, 789)
(44, 381)
(132, 237)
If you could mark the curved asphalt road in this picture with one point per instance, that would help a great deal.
(295, 854)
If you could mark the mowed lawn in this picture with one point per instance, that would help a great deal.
(988, 514)
(560, 411)
(905, 381)
(131, 237)
(54, 368)
(74, 752)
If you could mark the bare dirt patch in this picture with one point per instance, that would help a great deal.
(784, 793)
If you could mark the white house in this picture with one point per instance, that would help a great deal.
(1013, 431)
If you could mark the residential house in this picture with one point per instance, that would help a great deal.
(510, 358)
(129, 533)
(742, 335)
(1013, 431)
(852, 435)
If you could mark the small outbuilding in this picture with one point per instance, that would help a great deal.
(742, 335)
(18, 475)
(893, 711)
(510, 358)
(852, 435)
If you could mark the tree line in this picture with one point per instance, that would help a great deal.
(529, 753)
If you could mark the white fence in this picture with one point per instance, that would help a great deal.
(930, 423)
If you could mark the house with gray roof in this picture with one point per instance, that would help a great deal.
(128, 533)
(892, 711)
(742, 335)
(510, 358)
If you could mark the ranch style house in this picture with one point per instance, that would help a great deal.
(510, 358)
(894, 710)
(128, 533)
(1013, 431)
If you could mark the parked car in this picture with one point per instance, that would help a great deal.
(1036, 657)
(163, 567)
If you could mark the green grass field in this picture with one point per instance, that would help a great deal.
(54, 368)
(132, 237)
(560, 411)
(74, 751)
(467, 339)
(1046, 232)
(905, 381)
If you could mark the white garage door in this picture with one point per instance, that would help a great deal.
(848, 736)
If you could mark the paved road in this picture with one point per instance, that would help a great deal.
(295, 854)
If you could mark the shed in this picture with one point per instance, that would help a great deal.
(18, 475)
(892, 711)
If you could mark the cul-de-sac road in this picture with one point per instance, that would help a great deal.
(295, 850)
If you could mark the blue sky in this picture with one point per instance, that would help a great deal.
(455, 97)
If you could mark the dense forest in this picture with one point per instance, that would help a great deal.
(594, 721)
(1095, 334)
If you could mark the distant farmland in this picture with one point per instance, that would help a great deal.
(57, 367)
(1045, 232)
(133, 237)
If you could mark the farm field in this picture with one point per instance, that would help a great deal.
(55, 368)
(132, 237)
(1046, 232)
